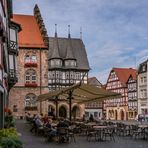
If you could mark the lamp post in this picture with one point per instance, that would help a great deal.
(70, 97)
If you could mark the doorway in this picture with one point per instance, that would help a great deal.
(75, 112)
(62, 112)
(122, 114)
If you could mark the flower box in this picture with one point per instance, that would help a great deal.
(31, 108)
(30, 64)
(30, 85)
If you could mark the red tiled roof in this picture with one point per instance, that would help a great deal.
(30, 35)
(124, 73)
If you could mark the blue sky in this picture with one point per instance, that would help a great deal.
(115, 32)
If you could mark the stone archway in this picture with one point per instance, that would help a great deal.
(62, 111)
(109, 114)
(75, 112)
(116, 115)
(122, 115)
(51, 110)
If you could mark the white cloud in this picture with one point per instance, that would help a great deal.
(114, 31)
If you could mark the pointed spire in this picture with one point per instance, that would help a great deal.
(36, 7)
(80, 32)
(69, 31)
(69, 54)
(56, 31)
(55, 53)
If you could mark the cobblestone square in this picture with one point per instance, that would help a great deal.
(33, 141)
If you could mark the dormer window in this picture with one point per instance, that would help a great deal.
(55, 63)
(70, 63)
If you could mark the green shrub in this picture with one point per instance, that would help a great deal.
(9, 138)
(8, 132)
(10, 142)
(9, 121)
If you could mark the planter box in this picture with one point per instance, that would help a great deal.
(30, 64)
(31, 85)
(31, 108)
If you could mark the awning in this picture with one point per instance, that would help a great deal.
(81, 93)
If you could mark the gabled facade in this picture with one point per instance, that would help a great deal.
(32, 65)
(8, 54)
(46, 64)
(132, 97)
(94, 108)
(68, 63)
(143, 88)
(116, 109)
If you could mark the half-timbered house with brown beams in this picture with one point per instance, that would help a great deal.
(8, 54)
(132, 96)
(117, 109)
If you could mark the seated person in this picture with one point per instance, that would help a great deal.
(38, 122)
(34, 126)
(62, 130)
(45, 119)
(62, 123)
(50, 131)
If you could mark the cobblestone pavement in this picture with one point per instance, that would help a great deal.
(33, 141)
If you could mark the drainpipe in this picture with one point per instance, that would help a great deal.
(40, 80)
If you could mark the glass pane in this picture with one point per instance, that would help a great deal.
(12, 35)
(34, 58)
(27, 58)
(11, 62)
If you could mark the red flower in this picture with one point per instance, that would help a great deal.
(6, 110)
(30, 64)
(30, 84)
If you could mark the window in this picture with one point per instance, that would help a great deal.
(143, 93)
(12, 34)
(30, 76)
(33, 77)
(27, 58)
(30, 58)
(33, 58)
(30, 100)
(143, 68)
(15, 109)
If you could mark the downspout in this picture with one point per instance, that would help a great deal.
(40, 80)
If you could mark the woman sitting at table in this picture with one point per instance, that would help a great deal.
(51, 132)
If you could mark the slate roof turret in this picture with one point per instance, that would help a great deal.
(69, 52)
(55, 50)
(78, 48)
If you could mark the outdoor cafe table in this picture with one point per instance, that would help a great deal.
(53, 124)
(100, 130)
(90, 124)
(143, 127)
